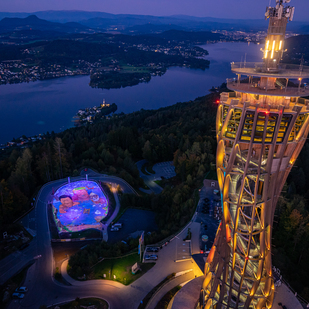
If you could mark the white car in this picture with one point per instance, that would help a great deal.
(152, 249)
(21, 289)
(18, 295)
(114, 229)
(151, 257)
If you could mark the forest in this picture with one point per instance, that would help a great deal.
(183, 133)
(110, 64)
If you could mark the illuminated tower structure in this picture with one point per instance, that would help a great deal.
(261, 128)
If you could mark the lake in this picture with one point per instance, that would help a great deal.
(38, 107)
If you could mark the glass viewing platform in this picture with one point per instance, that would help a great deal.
(290, 71)
(279, 90)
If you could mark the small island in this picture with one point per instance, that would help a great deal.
(111, 61)
(93, 114)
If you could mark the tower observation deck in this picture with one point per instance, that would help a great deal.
(261, 128)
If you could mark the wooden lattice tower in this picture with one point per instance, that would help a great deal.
(261, 128)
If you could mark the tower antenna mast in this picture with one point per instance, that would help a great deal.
(261, 128)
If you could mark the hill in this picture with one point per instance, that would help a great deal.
(122, 22)
(151, 29)
(198, 37)
(32, 22)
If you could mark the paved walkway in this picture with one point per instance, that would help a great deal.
(13, 263)
(187, 297)
(165, 265)
(43, 289)
(149, 179)
(167, 287)
(195, 241)
(285, 296)
(115, 213)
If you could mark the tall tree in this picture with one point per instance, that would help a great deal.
(61, 157)
(58, 148)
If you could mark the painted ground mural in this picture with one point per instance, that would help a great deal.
(78, 206)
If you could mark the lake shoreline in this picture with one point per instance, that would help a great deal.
(49, 105)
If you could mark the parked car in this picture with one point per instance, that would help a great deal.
(114, 229)
(18, 295)
(21, 289)
(119, 225)
(152, 249)
(151, 257)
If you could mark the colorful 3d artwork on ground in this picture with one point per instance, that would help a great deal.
(78, 206)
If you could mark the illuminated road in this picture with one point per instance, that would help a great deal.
(43, 290)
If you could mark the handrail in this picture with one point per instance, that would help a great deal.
(245, 85)
(262, 66)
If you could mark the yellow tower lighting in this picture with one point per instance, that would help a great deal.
(261, 129)
(273, 50)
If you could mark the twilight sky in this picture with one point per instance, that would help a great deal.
(210, 8)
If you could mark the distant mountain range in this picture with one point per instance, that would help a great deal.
(32, 22)
(138, 24)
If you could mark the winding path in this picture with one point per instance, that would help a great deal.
(43, 289)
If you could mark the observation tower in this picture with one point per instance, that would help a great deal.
(261, 128)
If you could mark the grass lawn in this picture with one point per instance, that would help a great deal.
(158, 182)
(99, 303)
(121, 268)
(128, 69)
(165, 300)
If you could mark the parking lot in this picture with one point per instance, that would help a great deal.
(183, 250)
(209, 224)
(134, 221)
(165, 169)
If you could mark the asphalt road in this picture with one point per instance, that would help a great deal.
(42, 288)
(12, 264)
(207, 220)
(149, 179)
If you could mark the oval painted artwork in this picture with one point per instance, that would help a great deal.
(79, 205)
